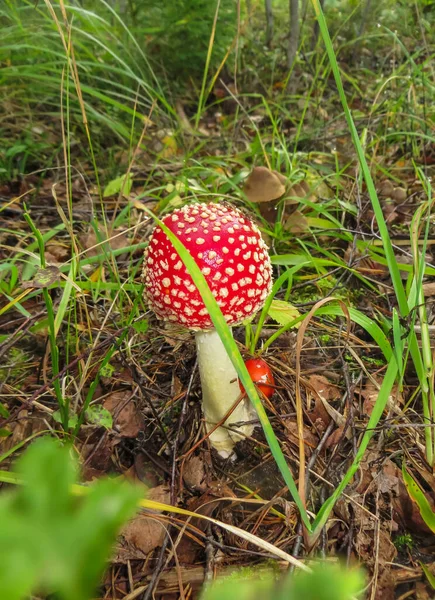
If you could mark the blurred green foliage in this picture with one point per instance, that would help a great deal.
(326, 582)
(50, 540)
(183, 30)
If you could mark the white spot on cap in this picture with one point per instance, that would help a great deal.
(206, 271)
(231, 240)
(259, 280)
(223, 292)
(229, 271)
(216, 238)
(217, 276)
(178, 265)
(212, 254)
(252, 269)
(234, 287)
(166, 281)
(240, 267)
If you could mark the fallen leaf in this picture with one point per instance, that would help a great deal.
(311, 440)
(296, 222)
(143, 533)
(264, 185)
(127, 420)
(323, 388)
(43, 278)
(95, 245)
(194, 474)
(429, 289)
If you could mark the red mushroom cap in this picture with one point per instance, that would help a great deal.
(231, 254)
(261, 374)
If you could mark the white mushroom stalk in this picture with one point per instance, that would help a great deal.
(220, 392)
(228, 248)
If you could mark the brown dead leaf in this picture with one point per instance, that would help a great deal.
(296, 222)
(323, 388)
(127, 420)
(56, 253)
(143, 533)
(429, 289)
(311, 440)
(94, 245)
(422, 591)
(194, 474)
(24, 426)
(319, 416)
(264, 185)
(407, 513)
(336, 436)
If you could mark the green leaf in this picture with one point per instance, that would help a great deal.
(119, 184)
(5, 432)
(429, 576)
(283, 312)
(98, 415)
(107, 370)
(4, 412)
(416, 494)
(325, 582)
(72, 420)
(51, 540)
(140, 326)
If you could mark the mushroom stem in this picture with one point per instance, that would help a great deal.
(220, 391)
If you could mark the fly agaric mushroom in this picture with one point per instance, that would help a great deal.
(261, 374)
(228, 248)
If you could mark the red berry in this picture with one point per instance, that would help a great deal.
(261, 375)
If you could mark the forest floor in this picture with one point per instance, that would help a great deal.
(144, 373)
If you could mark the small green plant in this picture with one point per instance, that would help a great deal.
(50, 540)
(404, 542)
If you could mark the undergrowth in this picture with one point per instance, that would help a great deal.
(126, 114)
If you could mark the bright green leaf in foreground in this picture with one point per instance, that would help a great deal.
(50, 540)
(283, 312)
(326, 582)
